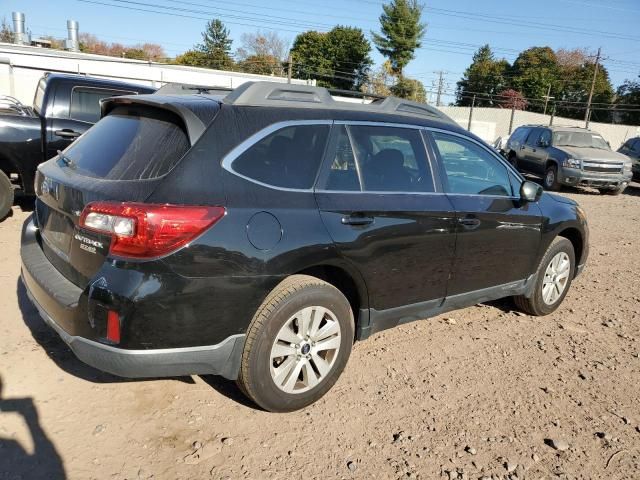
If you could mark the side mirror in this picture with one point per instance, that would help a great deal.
(543, 143)
(530, 191)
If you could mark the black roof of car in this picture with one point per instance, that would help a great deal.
(288, 102)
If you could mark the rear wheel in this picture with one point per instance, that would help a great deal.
(553, 279)
(6, 195)
(551, 179)
(297, 345)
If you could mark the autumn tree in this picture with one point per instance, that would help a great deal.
(512, 99)
(533, 72)
(262, 53)
(6, 34)
(484, 79)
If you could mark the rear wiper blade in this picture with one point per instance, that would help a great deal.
(66, 160)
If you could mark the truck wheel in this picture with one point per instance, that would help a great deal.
(553, 279)
(297, 345)
(551, 179)
(6, 195)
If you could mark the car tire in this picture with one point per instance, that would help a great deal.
(615, 191)
(539, 304)
(293, 320)
(6, 195)
(550, 181)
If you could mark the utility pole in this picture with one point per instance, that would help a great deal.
(587, 113)
(289, 67)
(441, 75)
(547, 97)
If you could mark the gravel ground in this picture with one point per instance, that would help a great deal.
(482, 392)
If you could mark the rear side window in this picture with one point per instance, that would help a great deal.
(85, 102)
(38, 99)
(343, 173)
(287, 158)
(130, 144)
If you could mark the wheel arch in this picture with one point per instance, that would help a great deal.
(575, 237)
(349, 284)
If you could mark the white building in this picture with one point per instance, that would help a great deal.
(22, 66)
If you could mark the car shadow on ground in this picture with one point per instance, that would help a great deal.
(60, 353)
(15, 461)
(633, 189)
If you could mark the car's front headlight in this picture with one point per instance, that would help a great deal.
(571, 162)
(627, 167)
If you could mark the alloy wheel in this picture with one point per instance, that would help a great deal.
(556, 278)
(305, 349)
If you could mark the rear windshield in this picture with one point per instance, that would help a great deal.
(129, 144)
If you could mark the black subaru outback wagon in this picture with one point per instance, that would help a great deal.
(257, 235)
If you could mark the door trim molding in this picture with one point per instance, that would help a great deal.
(384, 319)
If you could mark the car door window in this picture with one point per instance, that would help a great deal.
(289, 157)
(343, 172)
(469, 169)
(635, 145)
(391, 159)
(534, 137)
(545, 138)
(85, 102)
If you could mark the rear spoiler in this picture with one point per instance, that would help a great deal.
(196, 111)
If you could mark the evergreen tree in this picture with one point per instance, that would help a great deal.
(484, 78)
(216, 46)
(401, 33)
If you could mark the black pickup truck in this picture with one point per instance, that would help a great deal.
(64, 107)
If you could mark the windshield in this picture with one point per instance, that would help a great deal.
(580, 139)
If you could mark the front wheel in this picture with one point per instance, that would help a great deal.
(553, 279)
(297, 345)
(551, 179)
(6, 195)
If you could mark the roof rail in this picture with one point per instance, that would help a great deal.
(185, 89)
(287, 95)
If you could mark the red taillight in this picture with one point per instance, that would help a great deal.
(113, 326)
(144, 230)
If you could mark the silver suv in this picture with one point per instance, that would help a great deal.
(570, 156)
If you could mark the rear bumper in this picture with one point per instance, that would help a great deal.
(577, 178)
(60, 303)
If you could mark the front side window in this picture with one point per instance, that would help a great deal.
(534, 137)
(287, 158)
(85, 103)
(391, 159)
(469, 169)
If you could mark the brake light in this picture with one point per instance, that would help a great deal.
(143, 230)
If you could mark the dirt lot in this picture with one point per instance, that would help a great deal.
(479, 392)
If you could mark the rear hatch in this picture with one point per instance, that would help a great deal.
(122, 158)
